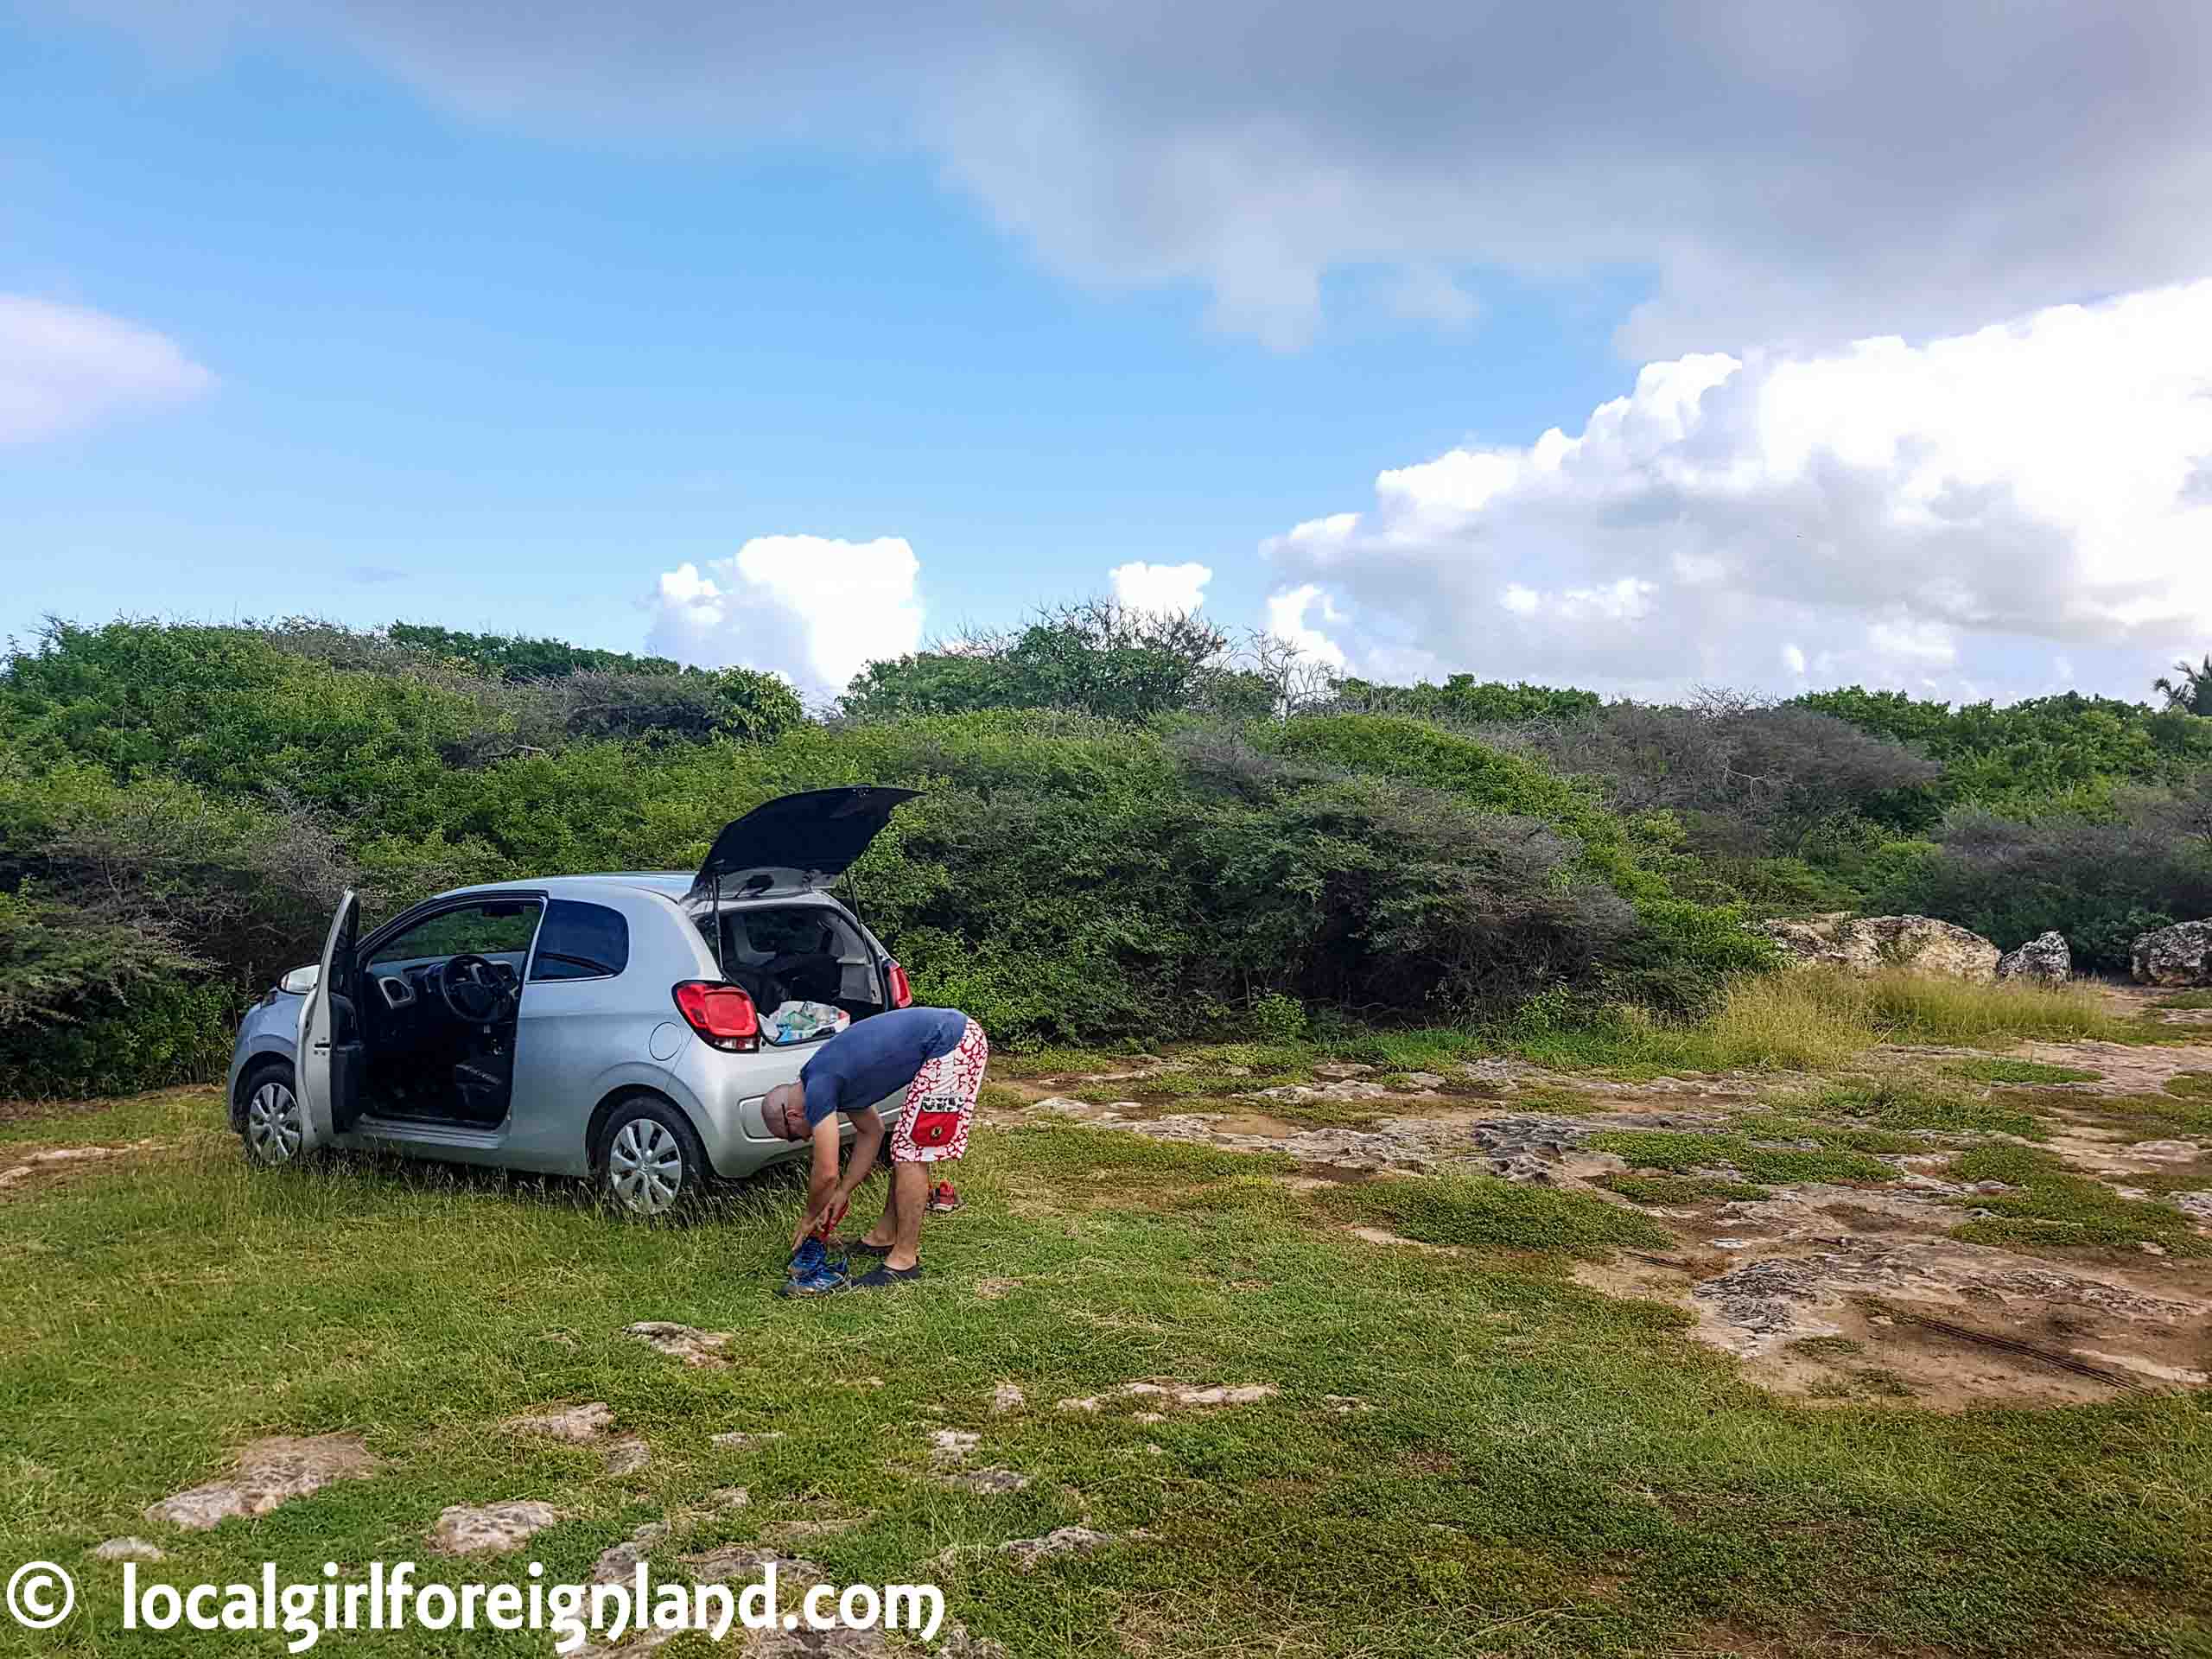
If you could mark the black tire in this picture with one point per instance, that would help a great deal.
(649, 1163)
(268, 1115)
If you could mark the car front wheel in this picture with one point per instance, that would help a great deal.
(650, 1163)
(271, 1126)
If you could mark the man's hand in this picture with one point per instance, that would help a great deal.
(825, 1203)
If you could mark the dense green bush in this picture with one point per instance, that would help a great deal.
(1095, 658)
(2100, 882)
(1462, 700)
(2047, 753)
(1122, 837)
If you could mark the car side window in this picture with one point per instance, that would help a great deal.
(498, 928)
(582, 941)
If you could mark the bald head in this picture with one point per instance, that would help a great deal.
(784, 1110)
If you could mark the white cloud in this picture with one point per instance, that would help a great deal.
(63, 367)
(813, 608)
(1286, 622)
(1905, 515)
(1783, 169)
(1164, 589)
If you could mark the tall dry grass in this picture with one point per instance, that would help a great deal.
(1818, 1017)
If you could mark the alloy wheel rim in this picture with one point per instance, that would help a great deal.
(272, 1124)
(645, 1166)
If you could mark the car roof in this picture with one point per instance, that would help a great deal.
(674, 884)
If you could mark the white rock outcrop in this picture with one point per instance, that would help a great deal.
(1870, 945)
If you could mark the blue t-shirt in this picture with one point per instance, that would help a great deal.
(875, 1056)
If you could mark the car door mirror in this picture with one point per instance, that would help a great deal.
(301, 981)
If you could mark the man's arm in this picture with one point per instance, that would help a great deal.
(823, 1203)
(868, 1141)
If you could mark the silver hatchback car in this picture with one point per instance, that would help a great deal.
(613, 1027)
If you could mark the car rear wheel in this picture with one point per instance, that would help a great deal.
(650, 1161)
(270, 1126)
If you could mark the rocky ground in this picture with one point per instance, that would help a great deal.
(1833, 1288)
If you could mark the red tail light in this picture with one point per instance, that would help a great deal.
(902, 994)
(723, 1015)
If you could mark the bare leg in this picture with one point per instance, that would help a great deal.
(910, 1190)
(885, 1233)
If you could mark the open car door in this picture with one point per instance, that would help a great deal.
(328, 1060)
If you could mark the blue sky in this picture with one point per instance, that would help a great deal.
(503, 353)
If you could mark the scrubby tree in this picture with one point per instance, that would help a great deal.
(1095, 656)
(2192, 693)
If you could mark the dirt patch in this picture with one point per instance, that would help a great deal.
(628, 1456)
(270, 1472)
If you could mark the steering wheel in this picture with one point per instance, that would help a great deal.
(473, 988)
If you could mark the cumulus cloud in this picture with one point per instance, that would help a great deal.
(1939, 516)
(63, 367)
(1163, 589)
(1784, 169)
(813, 608)
(1287, 621)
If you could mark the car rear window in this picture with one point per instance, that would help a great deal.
(581, 941)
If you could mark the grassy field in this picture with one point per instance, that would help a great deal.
(1466, 1453)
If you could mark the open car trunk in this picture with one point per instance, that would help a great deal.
(796, 843)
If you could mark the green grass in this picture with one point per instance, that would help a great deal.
(1543, 1470)
(1482, 1212)
(1677, 1191)
(1901, 1104)
(1681, 1152)
(2180, 999)
(2190, 1085)
(2059, 1210)
(1986, 1069)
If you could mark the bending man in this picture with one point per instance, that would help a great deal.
(938, 1055)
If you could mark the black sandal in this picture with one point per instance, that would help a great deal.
(884, 1277)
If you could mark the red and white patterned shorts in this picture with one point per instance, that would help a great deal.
(941, 1103)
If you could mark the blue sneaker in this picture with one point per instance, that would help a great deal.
(812, 1271)
(818, 1282)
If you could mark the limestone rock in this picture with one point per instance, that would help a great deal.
(1061, 1541)
(1869, 944)
(989, 1481)
(683, 1342)
(128, 1549)
(2044, 959)
(576, 1424)
(495, 1527)
(618, 1564)
(2180, 955)
(271, 1472)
